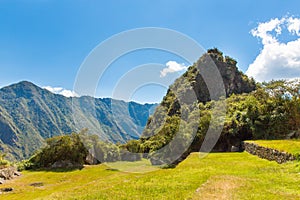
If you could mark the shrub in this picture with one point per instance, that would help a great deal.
(60, 148)
(3, 163)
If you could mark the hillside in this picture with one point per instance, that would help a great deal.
(178, 109)
(29, 114)
(235, 82)
(246, 111)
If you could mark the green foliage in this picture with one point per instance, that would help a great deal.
(230, 61)
(216, 53)
(24, 165)
(60, 148)
(3, 163)
(107, 151)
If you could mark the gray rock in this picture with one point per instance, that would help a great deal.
(235, 149)
(17, 173)
(64, 164)
(91, 160)
(8, 173)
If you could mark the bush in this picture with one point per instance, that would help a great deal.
(3, 163)
(24, 165)
(60, 148)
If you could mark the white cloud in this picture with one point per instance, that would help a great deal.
(277, 60)
(172, 67)
(263, 31)
(294, 26)
(61, 91)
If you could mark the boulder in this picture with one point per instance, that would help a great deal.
(8, 173)
(65, 164)
(235, 149)
(91, 160)
(155, 161)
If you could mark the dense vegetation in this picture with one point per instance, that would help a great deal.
(254, 111)
(3, 162)
(68, 149)
(30, 114)
(74, 150)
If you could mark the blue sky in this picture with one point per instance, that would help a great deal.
(46, 41)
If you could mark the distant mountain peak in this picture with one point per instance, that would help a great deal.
(61, 91)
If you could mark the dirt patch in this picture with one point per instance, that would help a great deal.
(220, 187)
(37, 184)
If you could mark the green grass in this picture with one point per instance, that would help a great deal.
(290, 146)
(217, 176)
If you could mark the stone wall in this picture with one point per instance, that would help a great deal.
(268, 153)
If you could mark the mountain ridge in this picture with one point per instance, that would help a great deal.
(29, 114)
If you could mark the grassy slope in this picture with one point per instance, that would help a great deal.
(291, 146)
(217, 176)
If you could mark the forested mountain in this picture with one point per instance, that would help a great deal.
(29, 114)
(251, 111)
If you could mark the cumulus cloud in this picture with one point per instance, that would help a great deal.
(61, 91)
(277, 59)
(172, 67)
(294, 26)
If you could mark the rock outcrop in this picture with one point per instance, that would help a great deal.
(8, 173)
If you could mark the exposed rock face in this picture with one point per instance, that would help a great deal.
(268, 153)
(8, 173)
(91, 160)
(235, 82)
(64, 164)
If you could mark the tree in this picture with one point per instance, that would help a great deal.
(66, 148)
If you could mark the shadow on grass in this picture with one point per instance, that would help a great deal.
(61, 169)
(112, 169)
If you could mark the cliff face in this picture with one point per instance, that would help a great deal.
(235, 82)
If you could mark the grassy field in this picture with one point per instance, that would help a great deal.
(217, 176)
(290, 146)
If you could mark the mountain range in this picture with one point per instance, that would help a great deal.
(30, 114)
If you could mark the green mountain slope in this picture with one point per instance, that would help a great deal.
(29, 114)
(184, 123)
(187, 109)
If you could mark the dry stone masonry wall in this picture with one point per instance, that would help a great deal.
(268, 153)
